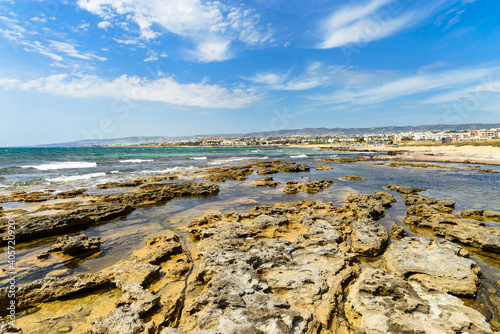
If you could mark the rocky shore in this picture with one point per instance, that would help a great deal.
(307, 266)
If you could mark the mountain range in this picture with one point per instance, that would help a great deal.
(127, 141)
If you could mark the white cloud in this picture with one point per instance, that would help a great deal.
(104, 25)
(30, 40)
(439, 87)
(165, 90)
(211, 26)
(371, 21)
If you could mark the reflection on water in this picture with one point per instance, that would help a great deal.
(470, 189)
(68, 316)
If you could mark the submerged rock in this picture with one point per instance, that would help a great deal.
(77, 245)
(370, 206)
(29, 227)
(380, 302)
(403, 189)
(324, 167)
(27, 196)
(293, 187)
(70, 193)
(481, 214)
(280, 166)
(158, 193)
(436, 264)
(267, 182)
(397, 232)
(368, 238)
(353, 178)
(453, 227)
(221, 174)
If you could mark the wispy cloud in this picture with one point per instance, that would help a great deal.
(371, 21)
(30, 38)
(211, 26)
(165, 89)
(438, 87)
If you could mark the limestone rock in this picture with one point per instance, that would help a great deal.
(368, 238)
(311, 187)
(353, 178)
(158, 193)
(76, 245)
(267, 182)
(436, 264)
(70, 193)
(481, 214)
(258, 281)
(380, 302)
(464, 230)
(370, 206)
(221, 174)
(324, 167)
(403, 189)
(397, 232)
(29, 227)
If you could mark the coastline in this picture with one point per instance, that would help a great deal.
(488, 155)
(192, 228)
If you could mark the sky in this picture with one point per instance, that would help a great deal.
(91, 69)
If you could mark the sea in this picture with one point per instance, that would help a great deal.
(62, 169)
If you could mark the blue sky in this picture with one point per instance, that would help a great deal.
(87, 69)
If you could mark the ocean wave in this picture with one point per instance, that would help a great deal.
(198, 158)
(256, 151)
(168, 170)
(298, 156)
(225, 161)
(115, 172)
(135, 161)
(76, 177)
(64, 165)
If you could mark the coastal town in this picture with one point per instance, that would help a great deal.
(444, 137)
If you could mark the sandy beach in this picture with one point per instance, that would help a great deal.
(488, 155)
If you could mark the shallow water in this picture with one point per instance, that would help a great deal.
(470, 189)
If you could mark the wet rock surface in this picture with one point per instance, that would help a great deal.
(481, 214)
(267, 182)
(381, 302)
(158, 193)
(403, 189)
(438, 215)
(324, 167)
(293, 187)
(162, 261)
(370, 206)
(353, 178)
(76, 245)
(397, 232)
(29, 227)
(28, 196)
(435, 264)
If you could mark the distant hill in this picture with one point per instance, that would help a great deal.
(127, 141)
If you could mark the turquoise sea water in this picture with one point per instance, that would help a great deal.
(68, 168)
(64, 167)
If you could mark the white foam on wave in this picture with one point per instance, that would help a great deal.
(298, 156)
(225, 161)
(76, 177)
(168, 170)
(115, 171)
(135, 161)
(64, 165)
(198, 158)
(256, 151)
